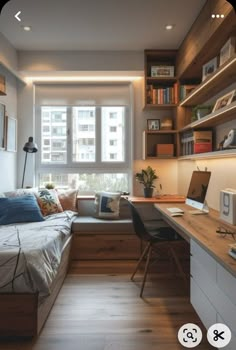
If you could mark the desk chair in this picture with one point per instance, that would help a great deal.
(154, 238)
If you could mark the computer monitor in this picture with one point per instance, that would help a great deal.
(197, 190)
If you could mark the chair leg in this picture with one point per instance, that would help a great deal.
(140, 260)
(146, 270)
(180, 269)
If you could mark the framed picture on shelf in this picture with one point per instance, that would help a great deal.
(153, 124)
(162, 71)
(209, 68)
(2, 126)
(227, 50)
(224, 101)
(11, 134)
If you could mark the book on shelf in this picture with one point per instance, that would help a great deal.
(193, 142)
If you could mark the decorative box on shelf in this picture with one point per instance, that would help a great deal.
(165, 150)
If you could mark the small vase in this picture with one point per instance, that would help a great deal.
(148, 192)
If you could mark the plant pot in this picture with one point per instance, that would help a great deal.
(148, 192)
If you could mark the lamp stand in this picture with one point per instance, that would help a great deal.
(26, 153)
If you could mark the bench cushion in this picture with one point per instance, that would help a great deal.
(91, 224)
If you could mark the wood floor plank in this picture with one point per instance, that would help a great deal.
(99, 308)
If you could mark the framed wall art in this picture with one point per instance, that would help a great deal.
(209, 68)
(2, 126)
(153, 124)
(227, 50)
(224, 101)
(11, 142)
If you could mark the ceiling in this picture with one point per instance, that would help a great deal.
(98, 24)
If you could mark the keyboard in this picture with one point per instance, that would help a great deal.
(175, 210)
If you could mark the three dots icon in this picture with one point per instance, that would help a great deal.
(217, 16)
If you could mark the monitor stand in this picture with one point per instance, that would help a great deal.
(204, 210)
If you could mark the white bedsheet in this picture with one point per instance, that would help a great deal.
(30, 253)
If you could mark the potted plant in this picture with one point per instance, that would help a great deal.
(147, 178)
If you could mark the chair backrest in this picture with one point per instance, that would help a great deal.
(138, 224)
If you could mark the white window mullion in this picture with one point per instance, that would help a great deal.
(69, 136)
(98, 136)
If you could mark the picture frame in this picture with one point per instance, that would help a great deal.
(153, 124)
(162, 71)
(224, 101)
(227, 50)
(11, 140)
(209, 68)
(2, 126)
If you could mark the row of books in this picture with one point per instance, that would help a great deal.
(162, 95)
(193, 142)
(168, 94)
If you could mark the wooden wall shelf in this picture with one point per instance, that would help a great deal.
(224, 76)
(218, 117)
(227, 153)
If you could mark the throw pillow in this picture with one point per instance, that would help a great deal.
(68, 199)
(49, 202)
(107, 205)
(19, 209)
(21, 192)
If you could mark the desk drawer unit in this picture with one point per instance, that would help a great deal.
(213, 291)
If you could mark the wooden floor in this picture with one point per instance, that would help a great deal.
(99, 308)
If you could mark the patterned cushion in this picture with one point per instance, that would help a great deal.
(21, 192)
(107, 205)
(68, 199)
(49, 202)
(19, 209)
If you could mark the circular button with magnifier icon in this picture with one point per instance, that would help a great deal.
(190, 335)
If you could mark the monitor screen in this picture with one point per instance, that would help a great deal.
(198, 188)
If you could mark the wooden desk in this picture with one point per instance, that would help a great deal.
(202, 229)
(213, 271)
(168, 198)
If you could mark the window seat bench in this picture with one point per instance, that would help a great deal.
(103, 239)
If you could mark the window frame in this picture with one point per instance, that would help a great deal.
(80, 167)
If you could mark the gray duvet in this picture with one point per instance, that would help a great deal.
(30, 253)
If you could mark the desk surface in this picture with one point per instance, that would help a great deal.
(165, 198)
(202, 228)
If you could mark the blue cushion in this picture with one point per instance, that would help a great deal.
(19, 209)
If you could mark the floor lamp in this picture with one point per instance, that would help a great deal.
(29, 147)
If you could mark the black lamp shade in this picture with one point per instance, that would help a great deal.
(30, 146)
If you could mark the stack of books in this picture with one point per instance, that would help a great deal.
(194, 142)
(232, 250)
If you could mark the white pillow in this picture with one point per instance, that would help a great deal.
(107, 205)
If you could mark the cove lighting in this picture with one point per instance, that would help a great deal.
(82, 78)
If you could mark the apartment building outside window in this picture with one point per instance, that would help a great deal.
(83, 146)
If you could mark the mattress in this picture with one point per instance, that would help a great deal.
(30, 253)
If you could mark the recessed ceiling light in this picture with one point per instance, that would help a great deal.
(27, 28)
(169, 26)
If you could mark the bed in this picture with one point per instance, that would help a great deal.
(34, 259)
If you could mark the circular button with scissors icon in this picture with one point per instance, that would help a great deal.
(219, 335)
(190, 335)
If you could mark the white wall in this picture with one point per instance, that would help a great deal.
(8, 160)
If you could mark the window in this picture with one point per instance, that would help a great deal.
(84, 146)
